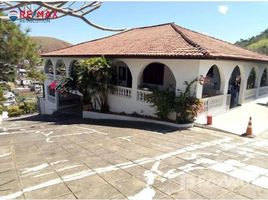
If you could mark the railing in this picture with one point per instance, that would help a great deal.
(50, 76)
(141, 95)
(122, 91)
(51, 98)
(263, 91)
(217, 104)
(251, 93)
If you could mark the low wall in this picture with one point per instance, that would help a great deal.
(97, 115)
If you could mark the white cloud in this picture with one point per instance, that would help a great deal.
(223, 9)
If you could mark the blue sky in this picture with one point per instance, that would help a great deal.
(228, 21)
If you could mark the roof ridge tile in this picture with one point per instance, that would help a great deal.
(194, 44)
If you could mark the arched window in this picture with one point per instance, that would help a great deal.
(123, 74)
(212, 82)
(264, 81)
(49, 67)
(251, 79)
(60, 68)
(157, 75)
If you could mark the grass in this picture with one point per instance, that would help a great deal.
(263, 43)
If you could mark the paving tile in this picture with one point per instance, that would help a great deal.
(187, 180)
(253, 191)
(85, 183)
(186, 194)
(116, 175)
(209, 190)
(99, 192)
(130, 186)
(261, 182)
(256, 169)
(232, 195)
(168, 187)
(243, 175)
(48, 192)
(227, 182)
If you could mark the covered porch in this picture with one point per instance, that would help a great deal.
(226, 84)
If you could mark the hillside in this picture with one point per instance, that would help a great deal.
(47, 44)
(258, 43)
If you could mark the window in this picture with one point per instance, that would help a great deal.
(154, 74)
(122, 74)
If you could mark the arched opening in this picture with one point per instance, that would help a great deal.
(212, 83)
(49, 67)
(234, 87)
(123, 75)
(60, 68)
(157, 75)
(72, 69)
(251, 79)
(72, 100)
(264, 80)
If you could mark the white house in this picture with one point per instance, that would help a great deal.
(164, 56)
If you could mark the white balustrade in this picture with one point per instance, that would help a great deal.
(263, 91)
(141, 95)
(50, 76)
(51, 98)
(122, 91)
(216, 104)
(251, 93)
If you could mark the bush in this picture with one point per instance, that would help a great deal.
(30, 107)
(14, 111)
(163, 102)
(184, 105)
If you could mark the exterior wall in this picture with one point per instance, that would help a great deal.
(226, 68)
(181, 69)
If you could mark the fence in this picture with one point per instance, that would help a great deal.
(122, 91)
(216, 104)
(141, 95)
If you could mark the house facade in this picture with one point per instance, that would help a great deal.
(163, 56)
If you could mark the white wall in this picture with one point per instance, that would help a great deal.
(182, 69)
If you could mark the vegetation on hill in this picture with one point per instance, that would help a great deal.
(258, 43)
(16, 50)
(47, 44)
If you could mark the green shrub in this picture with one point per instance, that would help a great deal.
(1, 109)
(163, 101)
(30, 107)
(21, 106)
(14, 111)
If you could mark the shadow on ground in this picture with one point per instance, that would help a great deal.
(263, 104)
(69, 119)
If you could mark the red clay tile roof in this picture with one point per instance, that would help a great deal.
(165, 40)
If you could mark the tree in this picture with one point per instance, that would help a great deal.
(16, 49)
(72, 8)
(92, 77)
(93, 80)
(7, 72)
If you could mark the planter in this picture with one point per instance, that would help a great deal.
(107, 116)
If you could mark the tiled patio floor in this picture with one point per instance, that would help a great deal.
(71, 159)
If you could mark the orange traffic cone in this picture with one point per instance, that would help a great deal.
(249, 130)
